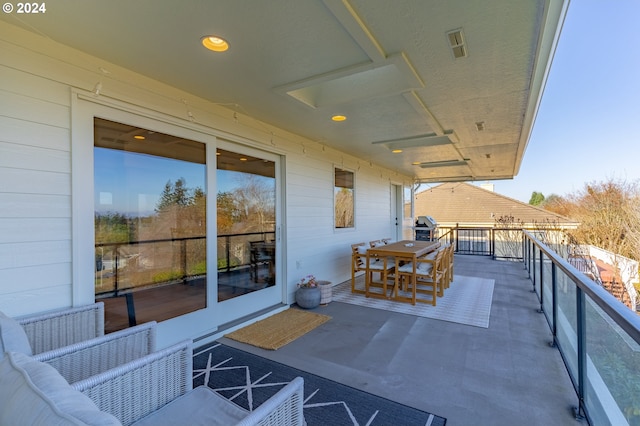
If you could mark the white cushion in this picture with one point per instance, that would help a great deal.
(423, 268)
(378, 265)
(201, 406)
(34, 393)
(362, 249)
(432, 255)
(12, 337)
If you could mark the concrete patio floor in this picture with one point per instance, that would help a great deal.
(506, 374)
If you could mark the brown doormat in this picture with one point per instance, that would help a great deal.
(279, 329)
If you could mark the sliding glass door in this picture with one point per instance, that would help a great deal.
(164, 248)
(150, 224)
(248, 243)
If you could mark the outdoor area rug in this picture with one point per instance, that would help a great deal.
(279, 329)
(249, 380)
(467, 301)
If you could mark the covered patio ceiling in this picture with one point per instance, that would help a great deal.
(451, 86)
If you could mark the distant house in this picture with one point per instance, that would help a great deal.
(466, 205)
(463, 205)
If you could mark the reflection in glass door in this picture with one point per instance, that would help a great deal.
(150, 224)
(246, 224)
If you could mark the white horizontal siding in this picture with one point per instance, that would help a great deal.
(29, 206)
(36, 80)
(35, 189)
(24, 181)
(43, 299)
(33, 110)
(21, 255)
(26, 134)
(27, 157)
(34, 278)
(25, 229)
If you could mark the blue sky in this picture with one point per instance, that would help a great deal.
(586, 125)
(132, 183)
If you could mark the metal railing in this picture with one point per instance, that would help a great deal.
(178, 263)
(137, 261)
(124, 268)
(234, 250)
(597, 336)
(499, 243)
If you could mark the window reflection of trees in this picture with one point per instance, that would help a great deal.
(246, 218)
(151, 244)
(344, 198)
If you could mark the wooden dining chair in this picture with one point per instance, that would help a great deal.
(385, 267)
(449, 264)
(424, 276)
(358, 263)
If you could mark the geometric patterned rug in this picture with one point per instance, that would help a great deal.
(467, 301)
(249, 380)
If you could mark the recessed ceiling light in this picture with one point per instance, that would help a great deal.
(243, 158)
(396, 151)
(339, 118)
(215, 43)
(139, 137)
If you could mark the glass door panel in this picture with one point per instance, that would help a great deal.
(246, 224)
(150, 224)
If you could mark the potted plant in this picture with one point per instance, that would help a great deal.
(308, 293)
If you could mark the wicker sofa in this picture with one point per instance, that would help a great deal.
(152, 390)
(73, 340)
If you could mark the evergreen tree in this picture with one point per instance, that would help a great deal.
(537, 198)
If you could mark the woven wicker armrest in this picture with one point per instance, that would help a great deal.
(90, 357)
(284, 408)
(133, 390)
(62, 328)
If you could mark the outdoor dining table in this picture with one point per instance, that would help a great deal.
(405, 250)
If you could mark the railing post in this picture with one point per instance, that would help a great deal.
(457, 239)
(114, 256)
(183, 259)
(492, 244)
(554, 303)
(581, 332)
(131, 309)
(541, 310)
(525, 252)
(228, 252)
(533, 269)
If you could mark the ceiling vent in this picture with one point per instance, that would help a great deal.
(457, 43)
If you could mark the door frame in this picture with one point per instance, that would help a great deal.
(84, 107)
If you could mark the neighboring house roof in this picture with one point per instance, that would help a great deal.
(464, 203)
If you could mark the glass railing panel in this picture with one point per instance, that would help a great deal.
(150, 280)
(547, 292)
(536, 269)
(566, 326)
(613, 367)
